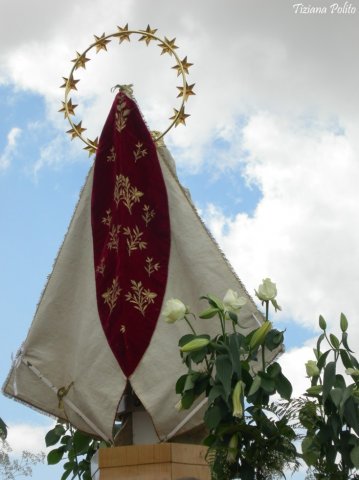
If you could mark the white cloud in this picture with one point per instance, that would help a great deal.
(10, 148)
(246, 56)
(293, 366)
(23, 436)
(304, 232)
(55, 154)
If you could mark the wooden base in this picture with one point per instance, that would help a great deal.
(164, 461)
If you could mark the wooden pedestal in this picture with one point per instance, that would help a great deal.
(164, 461)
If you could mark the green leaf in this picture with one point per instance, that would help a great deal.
(66, 474)
(187, 399)
(215, 302)
(86, 475)
(234, 352)
(354, 456)
(322, 359)
(310, 451)
(185, 339)
(274, 370)
(345, 359)
(345, 342)
(256, 384)
(336, 395)
(209, 440)
(181, 383)
(335, 341)
(354, 361)
(329, 379)
(273, 339)
(283, 386)
(267, 383)
(54, 435)
(55, 456)
(351, 414)
(199, 355)
(319, 341)
(81, 442)
(233, 316)
(343, 322)
(215, 392)
(213, 417)
(208, 313)
(224, 372)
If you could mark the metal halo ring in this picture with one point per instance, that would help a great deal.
(168, 46)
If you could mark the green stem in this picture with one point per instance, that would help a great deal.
(75, 453)
(190, 325)
(263, 360)
(263, 351)
(222, 324)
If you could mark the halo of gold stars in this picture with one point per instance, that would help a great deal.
(167, 46)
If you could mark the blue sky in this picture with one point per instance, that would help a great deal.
(270, 153)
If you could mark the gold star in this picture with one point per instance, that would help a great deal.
(101, 43)
(70, 83)
(76, 130)
(68, 108)
(167, 46)
(147, 35)
(92, 147)
(123, 33)
(186, 91)
(181, 116)
(80, 60)
(185, 66)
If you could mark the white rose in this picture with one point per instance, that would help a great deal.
(232, 301)
(267, 291)
(174, 310)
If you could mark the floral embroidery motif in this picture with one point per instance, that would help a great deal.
(122, 116)
(114, 237)
(108, 219)
(148, 214)
(139, 152)
(101, 268)
(140, 297)
(111, 295)
(112, 156)
(151, 267)
(134, 240)
(125, 192)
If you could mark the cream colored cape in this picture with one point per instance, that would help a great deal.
(66, 345)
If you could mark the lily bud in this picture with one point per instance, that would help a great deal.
(236, 400)
(232, 449)
(354, 372)
(312, 368)
(260, 335)
(179, 405)
(194, 345)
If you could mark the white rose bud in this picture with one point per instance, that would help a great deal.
(267, 291)
(174, 310)
(232, 301)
